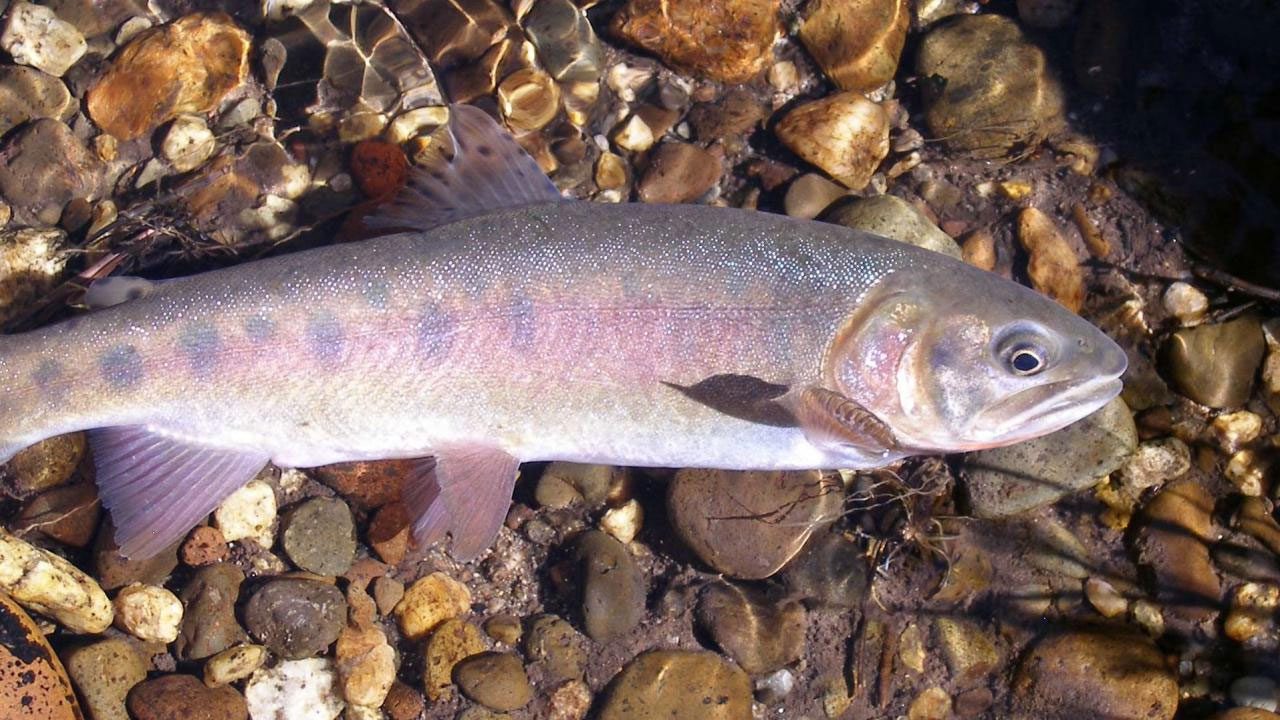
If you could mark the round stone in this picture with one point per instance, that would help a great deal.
(496, 680)
(319, 536)
(830, 569)
(296, 618)
(104, 673)
(148, 612)
(613, 589)
(183, 697)
(209, 625)
(894, 218)
(678, 685)
(1215, 364)
(560, 648)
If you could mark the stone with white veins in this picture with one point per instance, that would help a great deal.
(34, 35)
(295, 690)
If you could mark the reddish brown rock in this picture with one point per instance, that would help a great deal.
(66, 514)
(33, 683)
(678, 173)
(184, 697)
(366, 485)
(204, 546)
(1174, 542)
(726, 40)
(389, 533)
(187, 66)
(857, 42)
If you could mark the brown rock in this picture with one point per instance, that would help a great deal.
(759, 634)
(187, 66)
(44, 166)
(857, 42)
(366, 665)
(678, 172)
(66, 514)
(389, 533)
(678, 685)
(27, 93)
(1174, 544)
(613, 588)
(845, 134)
(366, 485)
(1215, 364)
(104, 672)
(726, 40)
(495, 680)
(452, 642)
(429, 602)
(47, 464)
(403, 702)
(728, 118)
(183, 697)
(1053, 267)
(114, 570)
(209, 624)
(1102, 672)
(558, 647)
(204, 546)
(33, 683)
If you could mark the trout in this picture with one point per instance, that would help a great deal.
(502, 324)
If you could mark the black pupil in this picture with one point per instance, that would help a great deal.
(1025, 361)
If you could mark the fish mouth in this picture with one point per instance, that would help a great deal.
(1045, 408)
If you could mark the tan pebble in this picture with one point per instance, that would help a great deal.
(611, 171)
(1053, 267)
(41, 581)
(932, 704)
(1015, 189)
(452, 642)
(682, 683)
(911, 649)
(728, 41)
(810, 194)
(49, 463)
(149, 613)
(856, 42)
(248, 513)
(623, 522)
(1253, 607)
(34, 35)
(504, 628)
(188, 143)
(783, 76)
(529, 99)
(1247, 471)
(366, 665)
(1105, 598)
(1148, 616)
(570, 701)
(496, 680)
(1235, 429)
(1094, 241)
(416, 123)
(966, 647)
(233, 664)
(430, 601)
(634, 135)
(1082, 155)
(845, 134)
(979, 250)
(387, 593)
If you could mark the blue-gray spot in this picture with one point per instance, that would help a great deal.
(259, 328)
(376, 293)
(48, 377)
(435, 332)
(326, 339)
(524, 322)
(121, 367)
(201, 345)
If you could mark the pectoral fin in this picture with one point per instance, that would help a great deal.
(464, 492)
(831, 419)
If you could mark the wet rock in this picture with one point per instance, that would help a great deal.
(678, 685)
(495, 680)
(634, 135)
(748, 525)
(104, 673)
(858, 43)
(33, 683)
(366, 665)
(566, 44)
(319, 536)
(188, 143)
(728, 118)
(31, 263)
(34, 35)
(149, 613)
(209, 625)
(1246, 562)
(187, 66)
(366, 485)
(403, 702)
(388, 533)
(990, 91)
(528, 99)
(1185, 302)
(967, 649)
(1104, 672)
(504, 628)
(1215, 365)
(1250, 619)
(1104, 598)
(1009, 480)
(593, 482)
(613, 588)
(570, 701)
(979, 250)
(931, 704)
(1053, 266)
(183, 697)
(295, 689)
(895, 218)
(49, 463)
(430, 601)
(67, 514)
(678, 172)
(1173, 544)
(204, 546)
(27, 94)
(450, 643)
(844, 134)
(41, 581)
(1254, 518)
(730, 41)
(810, 194)
(759, 634)
(611, 174)
(558, 647)
(234, 664)
(44, 166)
(387, 593)
(1255, 692)
(296, 618)
(249, 512)
(623, 522)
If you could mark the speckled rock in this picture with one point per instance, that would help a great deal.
(430, 601)
(49, 463)
(496, 680)
(187, 66)
(403, 702)
(27, 93)
(34, 35)
(557, 646)
(993, 92)
(104, 673)
(46, 583)
(1013, 479)
(149, 613)
(449, 644)
(844, 134)
(366, 485)
(710, 512)
(296, 618)
(209, 625)
(728, 118)
(678, 685)
(857, 43)
(366, 665)
(319, 536)
(1173, 543)
(894, 218)
(758, 633)
(205, 545)
(188, 143)
(1215, 364)
(44, 166)
(678, 172)
(295, 690)
(1102, 672)
(233, 664)
(249, 512)
(33, 683)
(726, 40)
(613, 588)
(183, 697)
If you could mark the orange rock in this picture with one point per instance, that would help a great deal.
(379, 168)
(389, 533)
(33, 683)
(726, 40)
(187, 66)
(366, 484)
(1053, 267)
(857, 43)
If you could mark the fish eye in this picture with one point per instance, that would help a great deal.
(1024, 348)
(1026, 360)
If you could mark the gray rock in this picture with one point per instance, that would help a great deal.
(565, 41)
(319, 536)
(894, 218)
(296, 618)
(830, 569)
(1013, 479)
(209, 623)
(555, 643)
(613, 589)
(1215, 364)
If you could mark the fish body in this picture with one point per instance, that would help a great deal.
(625, 334)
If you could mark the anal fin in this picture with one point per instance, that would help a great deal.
(157, 488)
(831, 419)
(464, 492)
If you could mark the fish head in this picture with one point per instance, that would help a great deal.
(957, 359)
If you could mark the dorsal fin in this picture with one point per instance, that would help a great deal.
(473, 167)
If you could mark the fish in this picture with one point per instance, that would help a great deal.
(491, 322)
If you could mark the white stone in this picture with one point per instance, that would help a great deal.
(1155, 462)
(784, 77)
(626, 80)
(34, 35)
(233, 664)
(131, 28)
(148, 613)
(295, 690)
(41, 581)
(1104, 598)
(188, 143)
(623, 522)
(1247, 471)
(634, 135)
(1236, 429)
(249, 512)
(1186, 303)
